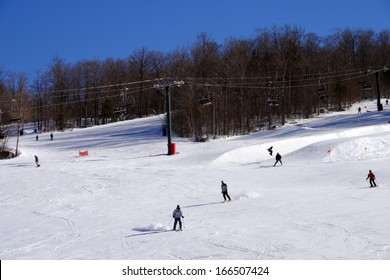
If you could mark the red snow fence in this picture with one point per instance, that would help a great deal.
(83, 154)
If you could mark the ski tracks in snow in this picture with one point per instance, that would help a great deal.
(69, 222)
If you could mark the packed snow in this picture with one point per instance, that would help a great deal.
(117, 202)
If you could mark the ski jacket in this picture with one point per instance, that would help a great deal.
(371, 176)
(224, 187)
(278, 157)
(177, 214)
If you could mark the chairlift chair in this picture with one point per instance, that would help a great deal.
(272, 100)
(206, 100)
(324, 97)
(366, 86)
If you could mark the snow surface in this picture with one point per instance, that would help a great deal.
(117, 203)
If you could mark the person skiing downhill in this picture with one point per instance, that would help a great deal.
(278, 159)
(371, 176)
(177, 215)
(37, 161)
(224, 191)
(270, 150)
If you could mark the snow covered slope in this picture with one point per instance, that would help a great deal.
(117, 203)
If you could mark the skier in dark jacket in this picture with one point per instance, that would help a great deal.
(371, 176)
(37, 161)
(278, 159)
(224, 191)
(177, 215)
(270, 150)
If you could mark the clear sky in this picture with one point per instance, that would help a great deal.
(34, 31)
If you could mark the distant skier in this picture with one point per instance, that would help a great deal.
(224, 191)
(359, 110)
(36, 138)
(371, 176)
(270, 150)
(37, 161)
(51, 136)
(278, 159)
(177, 215)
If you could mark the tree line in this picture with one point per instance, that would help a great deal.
(240, 86)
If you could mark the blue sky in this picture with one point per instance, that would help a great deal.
(34, 31)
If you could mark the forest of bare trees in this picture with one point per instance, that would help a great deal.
(234, 88)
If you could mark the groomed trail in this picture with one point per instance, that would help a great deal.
(117, 202)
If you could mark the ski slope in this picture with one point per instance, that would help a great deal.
(117, 203)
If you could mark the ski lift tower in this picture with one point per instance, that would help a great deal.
(379, 104)
(167, 87)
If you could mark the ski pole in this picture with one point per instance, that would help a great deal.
(170, 221)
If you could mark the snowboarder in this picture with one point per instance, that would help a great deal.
(359, 110)
(177, 215)
(270, 150)
(37, 161)
(51, 136)
(371, 176)
(278, 159)
(224, 191)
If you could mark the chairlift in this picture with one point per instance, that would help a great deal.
(127, 100)
(119, 111)
(130, 103)
(322, 93)
(121, 114)
(272, 100)
(321, 89)
(366, 86)
(205, 100)
(324, 97)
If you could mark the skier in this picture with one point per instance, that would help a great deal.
(278, 159)
(224, 191)
(36, 138)
(270, 150)
(371, 176)
(359, 110)
(51, 136)
(177, 215)
(37, 161)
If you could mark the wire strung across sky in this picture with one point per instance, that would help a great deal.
(95, 93)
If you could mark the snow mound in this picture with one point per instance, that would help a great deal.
(258, 153)
(153, 227)
(248, 195)
(361, 149)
